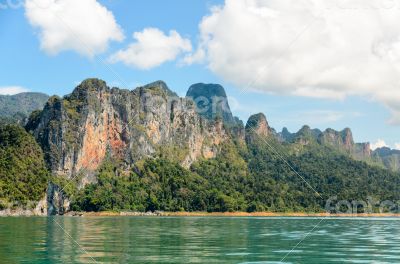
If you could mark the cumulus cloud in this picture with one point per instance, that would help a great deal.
(378, 144)
(152, 48)
(84, 26)
(10, 90)
(397, 146)
(306, 48)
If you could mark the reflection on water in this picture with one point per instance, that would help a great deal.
(198, 240)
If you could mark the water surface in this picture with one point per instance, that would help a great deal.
(198, 240)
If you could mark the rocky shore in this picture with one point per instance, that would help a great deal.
(226, 214)
(22, 212)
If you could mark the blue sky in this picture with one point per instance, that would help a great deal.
(27, 65)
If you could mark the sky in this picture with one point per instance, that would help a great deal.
(299, 62)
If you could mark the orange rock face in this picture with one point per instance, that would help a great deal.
(96, 139)
(94, 122)
(93, 148)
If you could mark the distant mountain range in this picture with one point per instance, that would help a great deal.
(18, 107)
(148, 149)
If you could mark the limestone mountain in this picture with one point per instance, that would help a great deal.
(212, 104)
(79, 131)
(161, 85)
(211, 101)
(339, 140)
(148, 149)
(257, 127)
(389, 157)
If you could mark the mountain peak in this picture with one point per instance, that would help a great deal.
(285, 135)
(305, 128)
(208, 90)
(211, 102)
(307, 131)
(339, 139)
(89, 86)
(258, 124)
(386, 151)
(347, 136)
(162, 86)
(92, 83)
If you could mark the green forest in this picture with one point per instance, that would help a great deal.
(23, 173)
(258, 176)
(250, 179)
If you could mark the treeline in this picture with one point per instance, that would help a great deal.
(161, 184)
(257, 177)
(23, 174)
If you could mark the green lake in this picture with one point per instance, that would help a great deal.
(198, 240)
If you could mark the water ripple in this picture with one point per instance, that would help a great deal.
(198, 240)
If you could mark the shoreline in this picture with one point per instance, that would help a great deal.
(227, 214)
(29, 213)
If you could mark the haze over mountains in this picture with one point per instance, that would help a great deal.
(19, 106)
(147, 149)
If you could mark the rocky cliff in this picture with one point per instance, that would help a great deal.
(339, 140)
(343, 141)
(389, 157)
(211, 102)
(257, 127)
(97, 123)
(79, 131)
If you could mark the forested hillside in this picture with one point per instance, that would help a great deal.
(102, 148)
(23, 174)
(16, 108)
(240, 178)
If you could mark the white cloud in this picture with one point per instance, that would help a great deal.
(10, 90)
(378, 144)
(84, 26)
(152, 48)
(306, 48)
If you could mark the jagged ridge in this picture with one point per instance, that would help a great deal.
(79, 131)
(96, 123)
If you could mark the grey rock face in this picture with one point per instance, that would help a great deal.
(80, 130)
(162, 86)
(212, 103)
(340, 139)
(389, 157)
(257, 127)
(58, 202)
